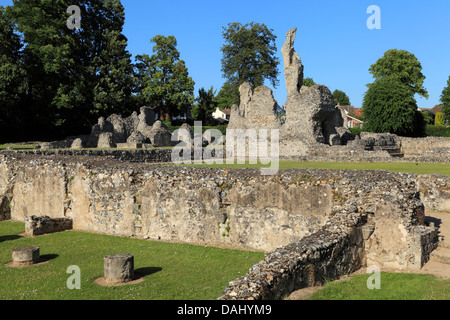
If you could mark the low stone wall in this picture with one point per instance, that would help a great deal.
(335, 250)
(132, 155)
(435, 191)
(432, 147)
(36, 226)
(310, 221)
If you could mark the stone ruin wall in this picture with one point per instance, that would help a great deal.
(313, 224)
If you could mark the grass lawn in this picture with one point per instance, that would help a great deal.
(171, 271)
(394, 286)
(18, 147)
(417, 168)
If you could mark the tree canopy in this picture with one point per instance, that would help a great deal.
(403, 66)
(205, 106)
(69, 77)
(390, 107)
(228, 95)
(445, 99)
(308, 82)
(164, 79)
(12, 76)
(341, 98)
(249, 55)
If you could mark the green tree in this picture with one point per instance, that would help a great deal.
(228, 95)
(428, 117)
(206, 105)
(74, 75)
(341, 98)
(12, 80)
(445, 99)
(308, 82)
(403, 66)
(47, 60)
(249, 54)
(439, 119)
(389, 107)
(164, 78)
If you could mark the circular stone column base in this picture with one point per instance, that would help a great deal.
(25, 256)
(119, 268)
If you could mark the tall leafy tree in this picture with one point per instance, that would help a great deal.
(74, 75)
(445, 99)
(228, 95)
(341, 98)
(12, 79)
(109, 62)
(206, 105)
(249, 54)
(164, 79)
(403, 66)
(47, 59)
(389, 106)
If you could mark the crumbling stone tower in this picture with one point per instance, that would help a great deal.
(312, 119)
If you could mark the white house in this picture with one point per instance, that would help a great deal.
(223, 115)
(349, 121)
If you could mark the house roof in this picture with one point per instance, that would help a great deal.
(349, 109)
(437, 108)
(359, 112)
(354, 119)
(226, 111)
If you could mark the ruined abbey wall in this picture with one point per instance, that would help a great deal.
(236, 208)
(313, 224)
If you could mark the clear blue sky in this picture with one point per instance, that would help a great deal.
(333, 40)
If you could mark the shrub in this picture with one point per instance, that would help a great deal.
(439, 119)
(356, 131)
(389, 107)
(437, 131)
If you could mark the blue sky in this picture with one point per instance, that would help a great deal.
(333, 41)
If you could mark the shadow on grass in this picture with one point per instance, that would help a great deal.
(146, 271)
(48, 257)
(10, 237)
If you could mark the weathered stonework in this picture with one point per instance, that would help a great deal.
(293, 67)
(237, 208)
(114, 130)
(36, 226)
(311, 116)
(313, 223)
(257, 109)
(435, 192)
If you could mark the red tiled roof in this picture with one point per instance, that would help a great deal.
(359, 112)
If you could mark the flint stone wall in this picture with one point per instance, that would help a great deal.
(435, 192)
(35, 226)
(430, 147)
(309, 221)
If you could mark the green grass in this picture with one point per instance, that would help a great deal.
(18, 147)
(171, 271)
(416, 168)
(394, 286)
